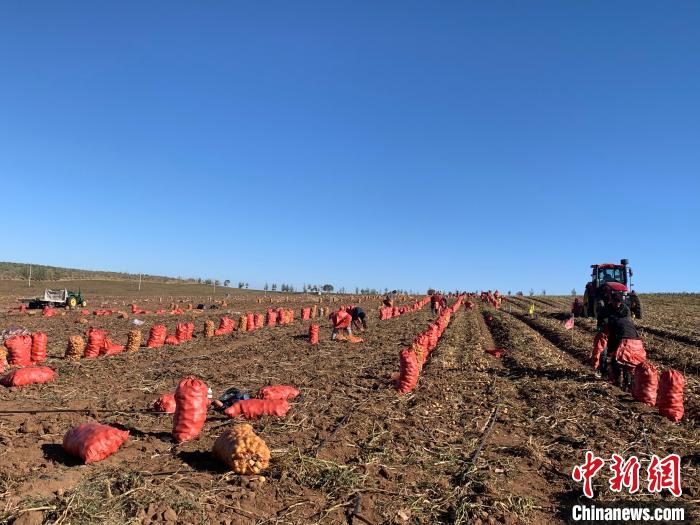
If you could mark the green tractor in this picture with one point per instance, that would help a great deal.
(59, 298)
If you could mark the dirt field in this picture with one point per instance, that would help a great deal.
(350, 450)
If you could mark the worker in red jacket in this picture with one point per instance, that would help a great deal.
(435, 300)
(341, 323)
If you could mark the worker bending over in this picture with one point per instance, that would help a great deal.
(341, 323)
(359, 319)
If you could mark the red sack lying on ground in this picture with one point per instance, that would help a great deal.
(495, 352)
(22, 308)
(600, 341)
(156, 337)
(96, 342)
(408, 371)
(172, 340)
(48, 311)
(111, 348)
(191, 409)
(254, 408)
(313, 334)
(645, 383)
(38, 353)
(165, 403)
(28, 376)
(670, 395)
(85, 311)
(93, 442)
(278, 392)
(20, 350)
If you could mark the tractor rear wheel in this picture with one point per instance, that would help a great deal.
(587, 306)
(83, 304)
(637, 310)
(72, 302)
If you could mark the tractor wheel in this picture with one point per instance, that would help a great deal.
(587, 306)
(637, 311)
(72, 302)
(83, 304)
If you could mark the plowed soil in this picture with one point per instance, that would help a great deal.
(481, 439)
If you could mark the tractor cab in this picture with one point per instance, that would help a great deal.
(606, 279)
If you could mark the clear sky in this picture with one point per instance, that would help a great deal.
(402, 144)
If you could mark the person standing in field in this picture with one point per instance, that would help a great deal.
(625, 349)
(435, 303)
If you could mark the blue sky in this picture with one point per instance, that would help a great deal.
(401, 144)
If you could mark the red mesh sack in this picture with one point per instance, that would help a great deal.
(181, 332)
(22, 308)
(259, 320)
(172, 340)
(48, 311)
(645, 383)
(96, 342)
(190, 330)
(255, 408)
(111, 348)
(271, 318)
(278, 392)
(19, 349)
(191, 409)
(433, 336)
(305, 314)
(226, 325)
(93, 442)
(600, 341)
(670, 395)
(38, 352)
(313, 334)
(280, 316)
(165, 403)
(28, 376)
(250, 322)
(156, 337)
(631, 352)
(408, 371)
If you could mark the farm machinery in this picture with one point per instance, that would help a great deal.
(59, 298)
(607, 279)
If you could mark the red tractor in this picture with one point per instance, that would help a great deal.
(606, 279)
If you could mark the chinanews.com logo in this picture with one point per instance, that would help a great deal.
(660, 474)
